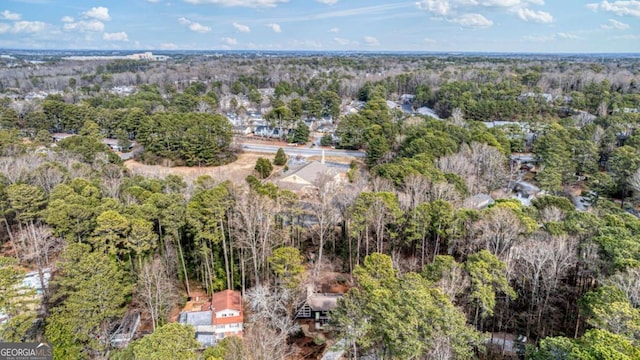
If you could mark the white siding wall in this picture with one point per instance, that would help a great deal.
(227, 313)
(228, 328)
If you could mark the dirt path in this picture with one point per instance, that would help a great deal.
(236, 171)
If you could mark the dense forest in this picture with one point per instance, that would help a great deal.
(431, 274)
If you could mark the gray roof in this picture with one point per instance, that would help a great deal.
(526, 188)
(196, 318)
(479, 201)
(323, 302)
(311, 171)
(428, 112)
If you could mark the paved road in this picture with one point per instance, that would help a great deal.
(301, 150)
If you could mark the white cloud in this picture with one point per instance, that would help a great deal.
(241, 28)
(371, 41)
(535, 16)
(100, 13)
(436, 7)
(67, 19)
(627, 37)
(467, 11)
(334, 30)
(8, 15)
(593, 6)
(153, 1)
(168, 46)
(500, 3)
(23, 27)
(229, 41)
(84, 25)
(474, 21)
(117, 36)
(552, 37)
(28, 26)
(540, 38)
(447, 7)
(568, 36)
(360, 11)
(342, 41)
(428, 41)
(328, 2)
(305, 44)
(275, 27)
(243, 3)
(194, 26)
(4, 28)
(615, 24)
(620, 8)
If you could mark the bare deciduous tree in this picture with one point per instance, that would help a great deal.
(551, 214)
(48, 176)
(36, 244)
(543, 262)
(634, 182)
(271, 321)
(379, 184)
(416, 188)
(628, 282)
(444, 191)
(157, 290)
(498, 230)
(457, 117)
(324, 212)
(252, 227)
(112, 176)
(483, 167)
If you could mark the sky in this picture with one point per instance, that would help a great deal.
(540, 26)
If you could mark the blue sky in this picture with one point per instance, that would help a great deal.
(425, 25)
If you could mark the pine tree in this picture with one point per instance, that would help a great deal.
(263, 167)
(281, 158)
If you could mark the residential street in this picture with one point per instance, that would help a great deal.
(301, 150)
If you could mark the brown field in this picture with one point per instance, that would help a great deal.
(236, 171)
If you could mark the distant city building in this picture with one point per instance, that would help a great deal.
(148, 55)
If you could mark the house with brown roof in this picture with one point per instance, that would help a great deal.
(227, 317)
(221, 317)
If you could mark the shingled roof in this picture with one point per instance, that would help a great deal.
(227, 300)
(310, 172)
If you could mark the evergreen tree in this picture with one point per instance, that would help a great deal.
(91, 293)
(171, 341)
(263, 167)
(300, 134)
(281, 158)
(16, 302)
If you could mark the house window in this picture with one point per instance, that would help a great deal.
(305, 312)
